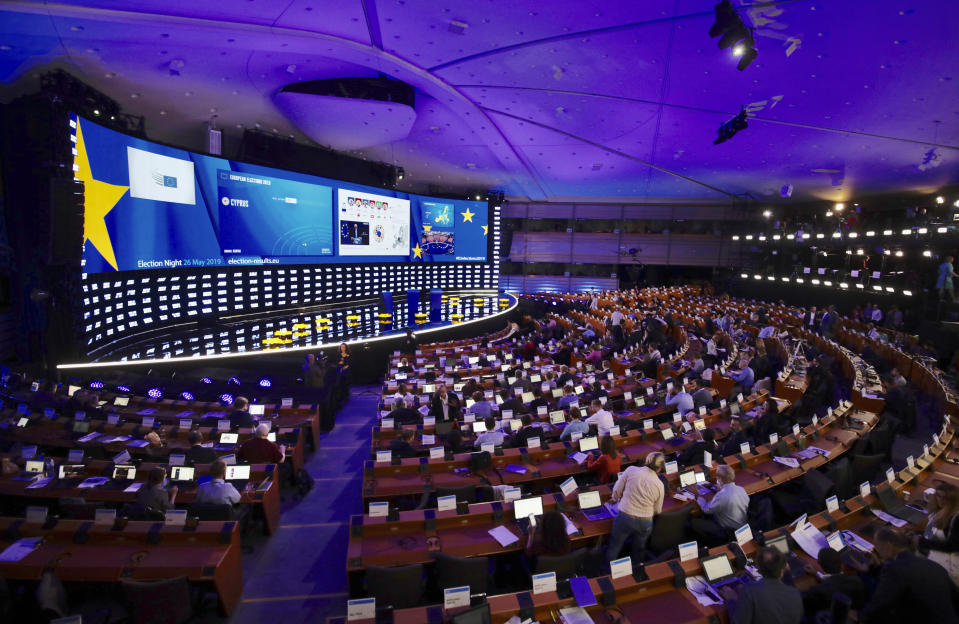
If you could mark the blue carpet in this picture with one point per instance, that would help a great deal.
(299, 573)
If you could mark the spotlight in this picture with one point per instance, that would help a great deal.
(731, 30)
(233, 380)
(729, 129)
(265, 382)
(186, 395)
(96, 384)
(839, 207)
(940, 200)
(122, 388)
(155, 393)
(226, 398)
(206, 380)
(927, 253)
(767, 213)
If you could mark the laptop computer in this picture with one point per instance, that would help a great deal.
(523, 508)
(850, 556)
(238, 475)
(591, 506)
(123, 475)
(479, 614)
(70, 475)
(182, 476)
(781, 543)
(121, 401)
(227, 442)
(33, 469)
(890, 500)
(719, 572)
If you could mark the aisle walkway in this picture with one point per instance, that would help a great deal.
(299, 573)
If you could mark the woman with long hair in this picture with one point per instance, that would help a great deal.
(549, 536)
(941, 537)
(608, 463)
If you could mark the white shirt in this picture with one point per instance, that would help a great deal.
(616, 318)
(603, 421)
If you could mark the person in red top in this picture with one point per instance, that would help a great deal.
(608, 463)
(259, 450)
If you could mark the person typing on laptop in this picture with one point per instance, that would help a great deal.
(600, 417)
(217, 491)
(197, 453)
(153, 495)
(492, 435)
(241, 418)
(259, 450)
(576, 425)
(608, 463)
(727, 510)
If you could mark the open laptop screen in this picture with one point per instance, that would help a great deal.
(717, 568)
(589, 500)
(238, 473)
(525, 507)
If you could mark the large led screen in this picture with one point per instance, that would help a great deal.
(152, 206)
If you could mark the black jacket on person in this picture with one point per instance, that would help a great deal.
(242, 419)
(402, 448)
(912, 589)
(767, 602)
(200, 455)
(404, 416)
(819, 597)
(694, 454)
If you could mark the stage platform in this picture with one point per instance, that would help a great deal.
(315, 328)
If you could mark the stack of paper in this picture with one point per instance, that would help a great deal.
(504, 536)
(20, 548)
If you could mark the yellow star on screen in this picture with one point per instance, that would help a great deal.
(99, 198)
(417, 252)
(468, 216)
(427, 228)
(485, 230)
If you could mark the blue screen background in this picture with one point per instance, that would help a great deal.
(149, 230)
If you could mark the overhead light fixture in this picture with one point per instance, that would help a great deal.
(767, 213)
(927, 253)
(732, 32)
(908, 293)
(736, 237)
(839, 207)
(940, 200)
(942, 230)
(870, 233)
(829, 213)
(728, 130)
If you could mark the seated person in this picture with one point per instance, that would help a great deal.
(259, 450)
(569, 396)
(608, 463)
(548, 537)
(575, 424)
(154, 448)
(600, 417)
(733, 441)
(680, 398)
(403, 392)
(401, 446)
(521, 438)
(725, 512)
(455, 442)
(240, 418)
(770, 601)
(480, 409)
(153, 495)
(403, 415)
(198, 454)
(217, 491)
(492, 435)
(831, 581)
(511, 403)
(538, 400)
(694, 453)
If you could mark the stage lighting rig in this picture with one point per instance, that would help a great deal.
(728, 130)
(732, 31)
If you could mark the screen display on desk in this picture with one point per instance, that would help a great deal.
(152, 206)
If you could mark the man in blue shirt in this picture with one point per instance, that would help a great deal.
(725, 512)
(944, 280)
(217, 491)
(681, 399)
(744, 379)
(569, 396)
(576, 425)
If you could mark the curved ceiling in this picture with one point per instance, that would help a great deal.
(578, 99)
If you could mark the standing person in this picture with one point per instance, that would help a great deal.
(344, 363)
(314, 375)
(829, 321)
(408, 346)
(639, 494)
(944, 280)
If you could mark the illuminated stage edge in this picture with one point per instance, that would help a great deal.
(497, 301)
